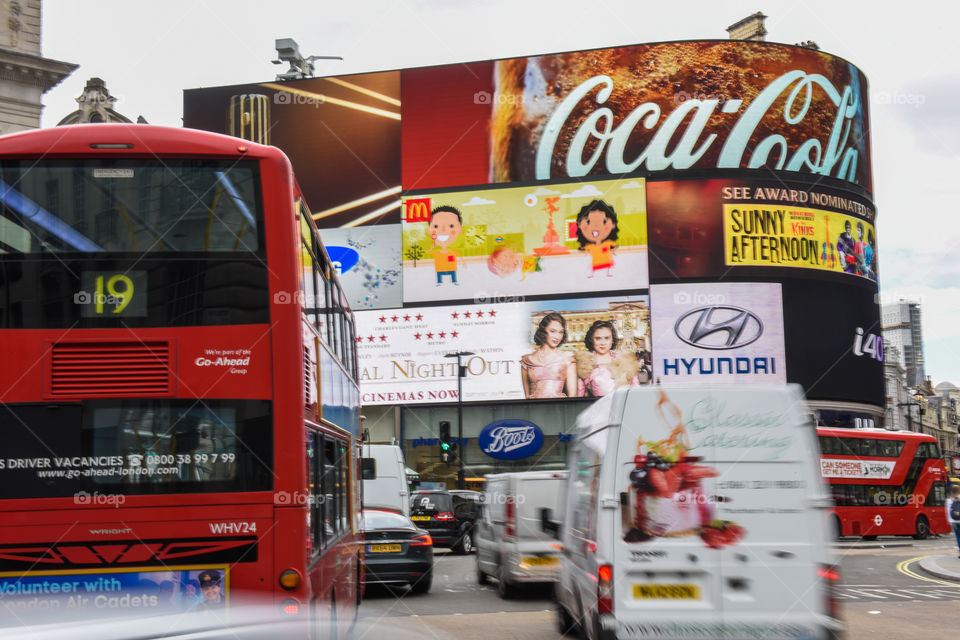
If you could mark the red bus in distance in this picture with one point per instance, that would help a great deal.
(180, 409)
(884, 482)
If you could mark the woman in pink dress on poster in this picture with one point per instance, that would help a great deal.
(549, 372)
(599, 369)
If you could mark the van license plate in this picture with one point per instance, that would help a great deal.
(384, 548)
(535, 561)
(418, 518)
(666, 591)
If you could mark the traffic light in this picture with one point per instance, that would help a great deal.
(446, 447)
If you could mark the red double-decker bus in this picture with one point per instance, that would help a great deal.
(884, 482)
(180, 409)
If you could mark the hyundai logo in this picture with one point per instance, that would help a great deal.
(719, 327)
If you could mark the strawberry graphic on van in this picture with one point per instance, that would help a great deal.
(666, 485)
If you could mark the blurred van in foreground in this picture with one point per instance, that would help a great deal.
(511, 546)
(696, 513)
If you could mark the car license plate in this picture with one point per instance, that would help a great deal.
(666, 591)
(541, 561)
(384, 548)
(419, 518)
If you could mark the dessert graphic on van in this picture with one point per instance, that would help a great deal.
(667, 498)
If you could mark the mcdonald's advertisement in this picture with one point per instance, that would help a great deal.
(498, 244)
(787, 236)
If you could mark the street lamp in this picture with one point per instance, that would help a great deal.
(913, 403)
(461, 374)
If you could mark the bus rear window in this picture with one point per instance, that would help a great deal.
(135, 447)
(52, 206)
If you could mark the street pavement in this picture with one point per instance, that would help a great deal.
(892, 588)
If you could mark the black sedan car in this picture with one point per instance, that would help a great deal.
(396, 552)
(448, 516)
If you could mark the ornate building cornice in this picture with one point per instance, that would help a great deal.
(34, 71)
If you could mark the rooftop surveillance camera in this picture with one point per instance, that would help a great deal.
(300, 67)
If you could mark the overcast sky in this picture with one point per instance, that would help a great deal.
(149, 52)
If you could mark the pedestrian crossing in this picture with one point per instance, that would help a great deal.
(850, 593)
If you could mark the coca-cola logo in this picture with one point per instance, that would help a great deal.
(680, 138)
(510, 439)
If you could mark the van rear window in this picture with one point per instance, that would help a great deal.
(368, 468)
(431, 503)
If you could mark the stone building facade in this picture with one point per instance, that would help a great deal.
(25, 75)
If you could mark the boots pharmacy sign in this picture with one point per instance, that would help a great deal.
(510, 439)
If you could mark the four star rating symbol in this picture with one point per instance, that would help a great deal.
(442, 334)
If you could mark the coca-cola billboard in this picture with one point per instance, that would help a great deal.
(659, 107)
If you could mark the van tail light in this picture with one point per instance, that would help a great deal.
(446, 515)
(831, 579)
(421, 541)
(510, 528)
(290, 607)
(605, 589)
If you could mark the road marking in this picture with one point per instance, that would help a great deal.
(884, 593)
(903, 567)
(925, 595)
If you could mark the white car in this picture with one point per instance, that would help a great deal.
(696, 513)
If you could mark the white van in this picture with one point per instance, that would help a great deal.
(511, 545)
(384, 478)
(696, 513)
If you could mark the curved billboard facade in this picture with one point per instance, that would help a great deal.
(687, 212)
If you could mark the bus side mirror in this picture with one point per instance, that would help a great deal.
(548, 524)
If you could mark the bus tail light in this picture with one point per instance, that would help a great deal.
(831, 583)
(290, 607)
(446, 515)
(605, 588)
(510, 528)
(421, 541)
(290, 579)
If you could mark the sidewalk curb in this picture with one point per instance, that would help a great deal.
(931, 567)
(871, 545)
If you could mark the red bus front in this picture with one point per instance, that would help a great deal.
(884, 482)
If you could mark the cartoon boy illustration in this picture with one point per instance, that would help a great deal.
(597, 233)
(445, 225)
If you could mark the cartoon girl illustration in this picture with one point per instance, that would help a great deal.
(597, 233)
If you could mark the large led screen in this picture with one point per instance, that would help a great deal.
(496, 243)
(549, 349)
(718, 333)
(835, 346)
(668, 106)
(342, 135)
(713, 228)
(367, 260)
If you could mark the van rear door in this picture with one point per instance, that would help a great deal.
(721, 515)
(664, 575)
(766, 453)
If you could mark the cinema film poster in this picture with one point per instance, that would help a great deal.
(799, 237)
(579, 348)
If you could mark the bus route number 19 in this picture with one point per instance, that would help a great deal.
(112, 294)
